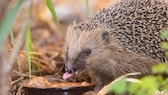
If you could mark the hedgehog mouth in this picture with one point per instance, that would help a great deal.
(68, 75)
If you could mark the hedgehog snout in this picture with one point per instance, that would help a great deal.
(69, 68)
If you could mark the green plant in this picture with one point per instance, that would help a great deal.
(6, 24)
(12, 38)
(28, 48)
(52, 10)
(117, 88)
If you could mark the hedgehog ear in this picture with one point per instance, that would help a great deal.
(105, 36)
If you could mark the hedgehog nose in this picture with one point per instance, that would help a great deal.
(69, 68)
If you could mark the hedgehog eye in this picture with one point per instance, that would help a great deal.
(87, 52)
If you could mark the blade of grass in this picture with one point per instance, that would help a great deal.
(29, 48)
(12, 38)
(52, 10)
(21, 36)
(87, 9)
(6, 24)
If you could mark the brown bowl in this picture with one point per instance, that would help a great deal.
(57, 91)
(41, 86)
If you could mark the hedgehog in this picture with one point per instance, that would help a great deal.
(120, 39)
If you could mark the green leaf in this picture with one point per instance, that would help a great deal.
(164, 84)
(52, 10)
(28, 48)
(6, 24)
(149, 83)
(119, 87)
(166, 54)
(164, 45)
(164, 34)
(133, 88)
(147, 86)
(160, 68)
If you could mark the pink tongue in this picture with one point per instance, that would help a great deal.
(67, 75)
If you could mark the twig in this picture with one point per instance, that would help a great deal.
(104, 90)
(15, 81)
(19, 90)
(21, 74)
(32, 52)
(54, 56)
